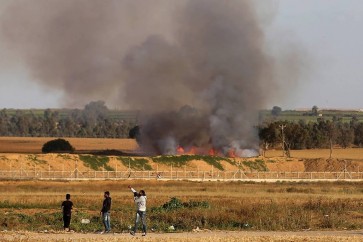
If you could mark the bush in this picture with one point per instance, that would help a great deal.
(96, 162)
(57, 145)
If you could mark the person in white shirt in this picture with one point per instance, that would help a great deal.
(140, 201)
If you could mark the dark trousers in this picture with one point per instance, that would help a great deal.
(66, 220)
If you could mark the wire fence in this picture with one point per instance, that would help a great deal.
(238, 175)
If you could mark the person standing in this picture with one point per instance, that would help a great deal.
(140, 201)
(105, 212)
(67, 207)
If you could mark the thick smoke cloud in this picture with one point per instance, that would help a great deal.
(198, 70)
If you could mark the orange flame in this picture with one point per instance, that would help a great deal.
(180, 150)
(212, 152)
(192, 151)
(232, 153)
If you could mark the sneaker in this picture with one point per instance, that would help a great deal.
(143, 234)
(102, 232)
(108, 231)
(132, 233)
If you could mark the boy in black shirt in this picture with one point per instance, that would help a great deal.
(67, 206)
(105, 212)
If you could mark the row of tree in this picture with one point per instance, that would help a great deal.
(92, 121)
(95, 121)
(320, 134)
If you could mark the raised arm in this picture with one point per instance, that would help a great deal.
(133, 191)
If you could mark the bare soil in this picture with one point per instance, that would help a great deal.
(196, 235)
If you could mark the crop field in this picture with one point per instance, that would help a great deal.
(296, 116)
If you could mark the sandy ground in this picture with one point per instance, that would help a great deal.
(24, 153)
(188, 236)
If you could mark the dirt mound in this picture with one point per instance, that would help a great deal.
(330, 165)
(293, 166)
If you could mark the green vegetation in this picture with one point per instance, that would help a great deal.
(213, 160)
(177, 161)
(309, 116)
(96, 162)
(35, 159)
(135, 163)
(65, 156)
(95, 120)
(312, 135)
(57, 145)
(176, 203)
(257, 165)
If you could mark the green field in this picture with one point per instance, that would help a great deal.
(296, 116)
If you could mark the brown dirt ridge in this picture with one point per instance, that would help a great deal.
(25, 153)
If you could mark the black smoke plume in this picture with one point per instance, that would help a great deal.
(199, 70)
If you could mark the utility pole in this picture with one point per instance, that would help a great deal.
(282, 126)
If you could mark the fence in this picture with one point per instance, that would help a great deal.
(238, 175)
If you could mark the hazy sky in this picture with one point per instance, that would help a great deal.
(327, 32)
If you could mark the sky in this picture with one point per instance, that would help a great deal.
(327, 33)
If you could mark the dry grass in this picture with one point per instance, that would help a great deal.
(338, 153)
(34, 144)
(34, 205)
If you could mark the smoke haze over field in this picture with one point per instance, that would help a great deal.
(199, 69)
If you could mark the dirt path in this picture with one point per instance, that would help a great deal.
(330, 236)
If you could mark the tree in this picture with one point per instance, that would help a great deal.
(345, 135)
(268, 136)
(276, 111)
(57, 145)
(358, 135)
(315, 110)
(134, 133)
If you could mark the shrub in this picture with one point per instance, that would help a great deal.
(96, 162)
(57, 145)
